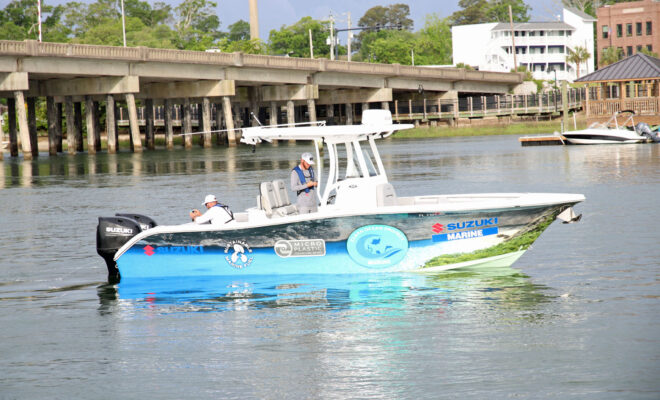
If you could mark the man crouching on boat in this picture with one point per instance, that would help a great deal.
(304, 184)
(216, 213)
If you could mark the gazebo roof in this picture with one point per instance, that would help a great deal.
(636, 67)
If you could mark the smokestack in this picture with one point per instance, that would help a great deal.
(254, 20)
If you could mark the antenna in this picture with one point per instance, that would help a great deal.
(256, 119)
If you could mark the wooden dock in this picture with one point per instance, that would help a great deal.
(551, 140)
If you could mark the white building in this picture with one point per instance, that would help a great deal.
(540, 46)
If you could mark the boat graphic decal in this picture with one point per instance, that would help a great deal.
(446, 237)
(237, 257)
(300, 248)
(150, 250)
(377, 246)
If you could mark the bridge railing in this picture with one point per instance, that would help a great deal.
(32, 48)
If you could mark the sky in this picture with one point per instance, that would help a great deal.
(275, 13)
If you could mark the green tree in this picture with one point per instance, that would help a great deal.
(394, 15)
(648, 52)
(249, 46)
(433, 43)
(293, 40)
(390, 47)
(19, 21)
(239, 30)
(196, 25)
(577, 56)
(482, 11)
(610, 55)
(379, 16)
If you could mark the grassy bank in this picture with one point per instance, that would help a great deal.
(515, 128)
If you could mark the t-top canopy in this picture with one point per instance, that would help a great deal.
(377, 123)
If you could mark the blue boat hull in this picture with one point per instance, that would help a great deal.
(341, 245)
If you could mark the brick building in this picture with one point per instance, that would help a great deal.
(629, 26)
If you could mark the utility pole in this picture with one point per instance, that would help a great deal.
(350, 37)
(412, 56)
(332, 37)
(513, 41)
(311, 46)
(123, 22)
(254, 20)
(39, 16)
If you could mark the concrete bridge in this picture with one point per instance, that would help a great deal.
(225, 87)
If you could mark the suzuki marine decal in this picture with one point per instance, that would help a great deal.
(377, 246)
(465, 229)
(300, 248)
(238, 251)
(150, 251)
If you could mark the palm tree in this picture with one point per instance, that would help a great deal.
(610, 55)
(577, 56)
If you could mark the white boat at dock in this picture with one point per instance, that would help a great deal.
(610, 132)
(362, 224)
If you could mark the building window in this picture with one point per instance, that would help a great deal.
(629, 50)
(638, 28)
(639, 48)
(606, 31)
(619, 30)
(649, 47)
(649, 27)
(628, 29)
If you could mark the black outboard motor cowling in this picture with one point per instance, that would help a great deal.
(144, 221)
(111, 234)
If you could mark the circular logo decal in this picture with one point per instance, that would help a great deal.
(377, 246)
(239, 254)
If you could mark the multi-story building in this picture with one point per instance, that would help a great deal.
(542, 47)
(630, 26)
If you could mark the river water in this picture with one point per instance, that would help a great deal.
(577, 317)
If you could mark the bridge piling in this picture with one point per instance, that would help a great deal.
(133, 122)
(229, 121)
(187, 123)
(206, 122)
(32, 126)
(149, 133)
(169, 129)
(53, 121)
(23, 128)
(91, 129)
(349, 113)
(70, 125)
(77, 106)
(110, 124)
(13, 134)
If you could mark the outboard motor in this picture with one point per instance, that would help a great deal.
(114, 232)
(643, 129)
(144, 221)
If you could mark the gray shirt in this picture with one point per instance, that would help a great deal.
(304, 199)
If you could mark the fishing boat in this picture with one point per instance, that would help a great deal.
(610, 132)
(362, 225)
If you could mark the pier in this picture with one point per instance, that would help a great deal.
(146, 92)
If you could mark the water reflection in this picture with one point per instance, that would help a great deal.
(499, 288)
(16, 172)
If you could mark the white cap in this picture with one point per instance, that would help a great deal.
(209, 198)
(308, 158)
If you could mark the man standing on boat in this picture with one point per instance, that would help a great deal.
(304, 184)
(216, 213)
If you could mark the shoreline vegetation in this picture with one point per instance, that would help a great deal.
(521, 128)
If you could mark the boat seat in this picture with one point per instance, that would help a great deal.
(270, 200)
(267, 197)
(385, 195)
(284, 206)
